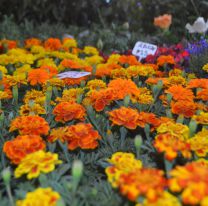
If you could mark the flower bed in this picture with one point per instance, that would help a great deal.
(123, 132)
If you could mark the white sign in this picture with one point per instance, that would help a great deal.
(142, 49)
(73, 74)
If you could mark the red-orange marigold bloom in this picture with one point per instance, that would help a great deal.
(146, 182)
(147, 118)
(106, 69)
(68, 63)
(123, 87)
(67, 111)
(185, 108)
(123, 116)
(82, 135)
(38, 76)
(72, 81)
(19, 147)
(58, 134)
(102, 98)
(171, 145)
(52, 44)
(198, 83)
(180, 93)
(30, 125)
(203, 94)
(162, 60)
(32, 42)
(129, 59)
(192, 180)
(52, 71)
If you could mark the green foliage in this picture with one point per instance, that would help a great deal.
(139, 14)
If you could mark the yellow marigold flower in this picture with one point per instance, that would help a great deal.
(3, 69)
(119, 73)
(69, 95)
(142, 96)
(40, 196)
(133, 71)
(16, 79)
(4, 95)
(37, 49)
(166, 199)
(94, 60)
(142, 70)
(56, 82)
(36, 96)
(202, 118)
(96, 84)
(35, 163)
(121, 163)
(205, 67)
(46, 61)
(176, 80)
(69, 42)
(191, 76)
(199, 143)
(90, 50)
(175, 129)
(22, 70)
(114, 58)
(175, 72)
(31, 109)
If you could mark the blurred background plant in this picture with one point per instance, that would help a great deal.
(117, 24)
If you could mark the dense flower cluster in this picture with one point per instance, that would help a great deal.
(59, 102)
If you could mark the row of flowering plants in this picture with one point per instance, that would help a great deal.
(127, 133)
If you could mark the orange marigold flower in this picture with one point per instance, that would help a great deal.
(123, 87)
(171, 145)
(32, 42)
(146, 182)
(72, 64)
(192, 181)
(30, 125)
(100, 99)
(58, 134)
(154, 80)
(128, 59)
(72, 81)
(123, 116)
(106, 69)
(162, 60)
(52, 44)
(19, 147)
(180, 93)
(82, 135)
(186, 108)
(50, 69)
(67, 111)
(203, 94)
(163, 21)
(147, 118)
(198, 83)
(38, 76)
